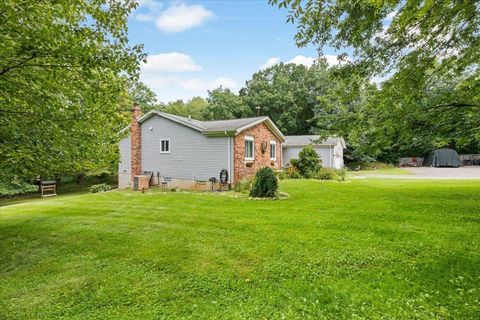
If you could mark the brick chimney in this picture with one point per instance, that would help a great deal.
(136, 141)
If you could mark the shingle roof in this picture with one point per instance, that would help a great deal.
(312, 139)
(217, 125)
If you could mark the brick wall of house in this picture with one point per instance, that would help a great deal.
(136, 142)
(260, 133)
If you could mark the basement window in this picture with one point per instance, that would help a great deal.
(164, 145)
(249, 148)
(273, 150)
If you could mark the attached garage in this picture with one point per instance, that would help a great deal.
(330, 150)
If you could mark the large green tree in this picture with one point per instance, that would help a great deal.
(389, 33)
(63, 67)
(287, 94)
(427, 50)
(194, 107)
(225, 104)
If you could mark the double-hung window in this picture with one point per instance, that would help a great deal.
(249, 148)
(164, 145)
(273, 150)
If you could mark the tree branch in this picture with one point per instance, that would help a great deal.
(18, 65)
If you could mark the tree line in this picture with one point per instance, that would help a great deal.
(380, 122)
(68, 76)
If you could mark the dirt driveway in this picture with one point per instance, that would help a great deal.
(472, 172)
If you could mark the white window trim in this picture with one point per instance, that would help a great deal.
(273, 142)
(250, 138)
(169, 145)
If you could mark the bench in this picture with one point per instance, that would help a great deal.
(48, 188)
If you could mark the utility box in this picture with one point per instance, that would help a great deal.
(140, 183)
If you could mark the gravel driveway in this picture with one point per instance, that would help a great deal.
(472, 172)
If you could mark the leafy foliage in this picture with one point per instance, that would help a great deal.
(62, 74)
(102, 187)
(15, 187)
(224, 104)
(140, 93)
(389, 34)
(194, 108)
(326, 174)
(265, 184)
(286, 93)
(427, 54)
(308, 162)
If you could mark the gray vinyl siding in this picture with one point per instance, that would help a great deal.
(124, 165)
(191, 153)
(325, 153)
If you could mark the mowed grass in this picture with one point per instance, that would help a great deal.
(364, 249)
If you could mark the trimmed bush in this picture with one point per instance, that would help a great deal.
(102, 187)
(308, 162)
(265, 184)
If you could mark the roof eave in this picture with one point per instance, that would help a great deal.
(219, 133)
(269, 123)
(166, 116)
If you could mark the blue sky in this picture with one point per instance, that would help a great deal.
(194, 46)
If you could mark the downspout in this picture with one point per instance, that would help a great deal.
(281, 155)
(230, 173)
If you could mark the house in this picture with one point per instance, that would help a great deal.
(186, 151)
(329, 150)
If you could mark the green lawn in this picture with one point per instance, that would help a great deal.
(362, 249)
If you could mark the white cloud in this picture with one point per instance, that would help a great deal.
(181, 17)
(270, 62)
(306, 61)
(302, 60)
(169, 62)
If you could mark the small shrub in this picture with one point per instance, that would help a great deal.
(292, 173)
(16, 187)
(102, 187)
(308, 162)
(342, 174)
(265, 184)
(243, 185)
(326, 174)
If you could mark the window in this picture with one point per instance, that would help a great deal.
(273, 150)
(249, 148)
(165, 146)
